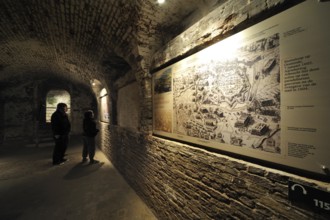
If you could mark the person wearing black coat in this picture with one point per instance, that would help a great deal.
(61, 128)
(89, 133)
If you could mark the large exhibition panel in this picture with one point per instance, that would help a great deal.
(261, 93)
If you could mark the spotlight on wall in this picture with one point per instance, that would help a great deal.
(160, 1)
(92, 82)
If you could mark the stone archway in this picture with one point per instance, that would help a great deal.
(54, 97)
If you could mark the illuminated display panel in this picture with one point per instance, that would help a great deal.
(259, 93)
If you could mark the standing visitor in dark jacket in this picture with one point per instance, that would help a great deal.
(61, 128)
(89, 133)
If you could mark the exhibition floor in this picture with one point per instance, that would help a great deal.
(32, 188)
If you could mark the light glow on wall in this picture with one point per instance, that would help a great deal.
(226, 49)
(104, 106)
(103, 92)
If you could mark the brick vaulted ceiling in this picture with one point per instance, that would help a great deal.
(84, 39)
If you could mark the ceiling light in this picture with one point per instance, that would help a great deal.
(161, 1)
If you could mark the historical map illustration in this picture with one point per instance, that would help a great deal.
(233, 101)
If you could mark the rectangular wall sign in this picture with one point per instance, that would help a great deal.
(262, 93)
(309, 197)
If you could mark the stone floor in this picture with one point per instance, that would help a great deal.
(32, 188)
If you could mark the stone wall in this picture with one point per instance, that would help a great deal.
(226, 20)
(181, 181)
(128, 106)
(18, 108)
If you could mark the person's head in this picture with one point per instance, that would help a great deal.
(89, 114)
(62, 107)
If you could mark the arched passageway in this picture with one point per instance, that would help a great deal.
(54, 97)
(88, 47)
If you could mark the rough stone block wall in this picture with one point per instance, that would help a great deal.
(228, 19)
(180, 181)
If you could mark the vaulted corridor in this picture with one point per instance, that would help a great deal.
(206, 109)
